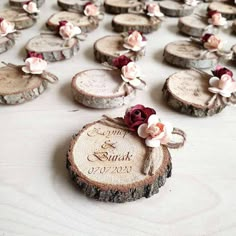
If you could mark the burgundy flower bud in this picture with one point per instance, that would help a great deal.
(62, 23)
(205, 37)
(121, 61)
(137, 115)
(35, 54)
(219, 71)
(87, 4)
(1, 19)
(211, 13)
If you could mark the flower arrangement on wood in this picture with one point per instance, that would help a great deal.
(223, 86)
(68, 31)
(152, 9)
(6, 27)
(93, 12)
(211, 42)
(135, 41)
(31, 9)
(130, 72)
(215, 18)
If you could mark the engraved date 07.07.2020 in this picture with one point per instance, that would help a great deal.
(110, 170)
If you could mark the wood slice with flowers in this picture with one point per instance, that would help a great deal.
(101, 88)
(19, 17)
(85, 23)
(175, 8)
(120, 6)
(105, 160)
(199, 94)
(188, 54)
(52, 47)
(20, 3)
(227, 10)
(128, 22)
(192, 26)
(109, 47)
(16, 87)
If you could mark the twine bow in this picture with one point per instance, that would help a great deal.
(152, 153)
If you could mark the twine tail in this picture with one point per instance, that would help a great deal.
(49, 77)
(148, 166)
(176, 145)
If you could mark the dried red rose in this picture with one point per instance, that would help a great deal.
(34, 54)
(62, 23)
(205, 37)
(219, 71)
(121, 61)
(211, 13)
(137, 115)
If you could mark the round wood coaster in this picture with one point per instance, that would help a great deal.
(187, 91)
(120, 6)
(75, 18)
(192, 25)
(106, 164)
(99, 89)
(227, 10)
(17, 87)
(128, 22)
(175, 9)
(53, 47)
(20, 3)
(187, 54)
(6, 43)
(18, 17)
(108, 48)
(234, 26)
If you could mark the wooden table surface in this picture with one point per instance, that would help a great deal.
(37, 196)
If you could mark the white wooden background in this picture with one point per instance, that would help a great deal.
(37, 196)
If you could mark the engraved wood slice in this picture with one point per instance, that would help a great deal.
(75, 18)
(192, 25)
(99, 89)
(128, 22)
(76, 5)
(120, 6)
(53, 47)
(234, 26)
(6, 43)
(107, 48)
(106, 164)
(186, 54)
(18, 17)
(187, 91)
(227, 10)
(20, 3)
(175, 9)
(16, 87)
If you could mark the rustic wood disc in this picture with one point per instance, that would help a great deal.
(18, 17)
(234, 26)
(76, 5)
(186, 54)
(99, 89)
(187, 91)
(192, 25)
(128, 22)
(53, 47)
(106, 163)
(227, 10)
(75, 18)
(20, 3)
(16, 87)
(108, 47)
(175, 9)
(120, 6)
(6, 43)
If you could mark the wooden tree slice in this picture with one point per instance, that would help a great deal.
(6, 43)
(187, 54)
(18, 17)
(76, 19)
(227, 10)
(20, 3)
(53, 47)
(108, 48)
(120, 6)
(76, 5)
(16, 87)
(234, 26)
(106, 164)
(128, 22)
(192, 25)
(187, 91)
(175, 9)
(99, 89)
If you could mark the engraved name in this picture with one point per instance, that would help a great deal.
(107, 133)
(105, 156)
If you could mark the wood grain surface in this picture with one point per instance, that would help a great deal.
(37, 196)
